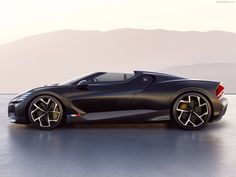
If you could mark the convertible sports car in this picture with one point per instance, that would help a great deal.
(141, 96)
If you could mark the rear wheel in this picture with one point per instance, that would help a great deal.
(191, 111)
(45, 112)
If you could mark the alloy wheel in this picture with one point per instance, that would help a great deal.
(45, 112)
(192, 111)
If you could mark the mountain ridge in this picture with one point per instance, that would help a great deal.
(114, 30)
(57, 56)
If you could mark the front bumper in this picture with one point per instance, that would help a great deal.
(17, 113)
(219, 108)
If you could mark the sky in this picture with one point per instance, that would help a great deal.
(22, 18)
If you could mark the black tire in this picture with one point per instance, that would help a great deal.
(191, 111)
(45, 112)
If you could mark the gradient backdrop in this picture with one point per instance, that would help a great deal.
(49, 41)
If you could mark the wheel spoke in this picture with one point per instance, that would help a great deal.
(194, 125)
(186, 123)
(45, 101)
(182, 110)
(37, 107)
(54, 115)
(37, 118)
(189, 99)
(55, 112)
(200, 117)
(183, 101)
(55, 107)
(41, 122)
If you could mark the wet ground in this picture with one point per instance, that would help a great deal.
(118, 150)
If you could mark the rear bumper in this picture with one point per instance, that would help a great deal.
(219, 108)
(16, 113)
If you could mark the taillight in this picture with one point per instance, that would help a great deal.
(220, 90)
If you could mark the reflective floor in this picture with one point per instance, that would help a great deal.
(118, 150)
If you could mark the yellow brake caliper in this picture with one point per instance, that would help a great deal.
(183, 106)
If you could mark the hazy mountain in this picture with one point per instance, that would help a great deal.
(223, 72)
(57, 56)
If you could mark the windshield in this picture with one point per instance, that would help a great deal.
(71, 81)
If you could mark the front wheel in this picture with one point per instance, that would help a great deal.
(45, 112)
(191, 111)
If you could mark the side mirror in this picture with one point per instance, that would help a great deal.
(83, 84)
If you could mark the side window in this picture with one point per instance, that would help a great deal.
(113, 77)
(110, 77)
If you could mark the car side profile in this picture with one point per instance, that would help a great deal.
(141, 96)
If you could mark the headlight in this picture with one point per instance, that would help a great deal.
(23, 96)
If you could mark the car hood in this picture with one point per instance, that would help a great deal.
(39, 88)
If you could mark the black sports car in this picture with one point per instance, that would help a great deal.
(120, 97)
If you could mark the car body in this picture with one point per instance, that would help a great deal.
(141, 96)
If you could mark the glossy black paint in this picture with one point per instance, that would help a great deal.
(146, 97)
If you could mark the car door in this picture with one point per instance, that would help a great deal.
(103, 97)
(142, 98)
